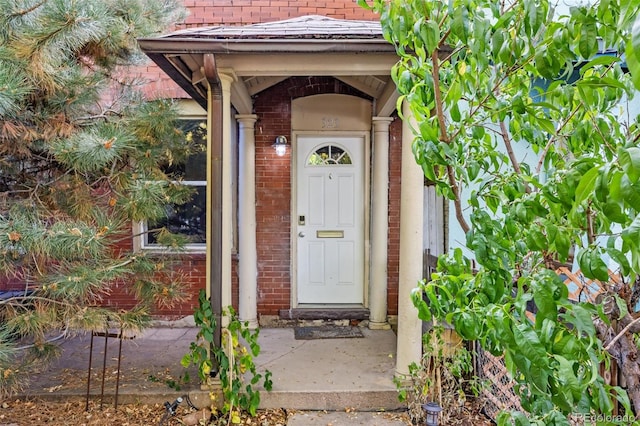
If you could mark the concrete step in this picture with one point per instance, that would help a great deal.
(333, 401)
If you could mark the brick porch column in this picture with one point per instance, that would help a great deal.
(248, 257)
(379, 224)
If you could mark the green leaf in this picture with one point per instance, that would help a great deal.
(599, 267)
(584, 262)
(543, 65)
(604, 399)
(364, 4)
(567, 377)
(631, 234)
(546, 125)
(563, 244)
(564, 344)
(430, 35)
(629, 159)
(497, 42)
(520, 419)
(536, 240)
(467, 326)
(454, 111)
(460, 24)
(186, 361)
(626, 191)
(530, 345)
(581, 318)
(632, 53)
(619, 257)
(588, 44)
(545, 303)
(586, 184)
(613, 212)
(622, 306)
(592, 265)
(603, 60)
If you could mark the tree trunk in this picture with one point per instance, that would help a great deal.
(625, 353)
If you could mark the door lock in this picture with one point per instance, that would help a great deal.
(301, 220)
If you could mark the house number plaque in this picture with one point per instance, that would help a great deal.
(329, 122)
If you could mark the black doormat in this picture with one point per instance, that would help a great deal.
(326, 332)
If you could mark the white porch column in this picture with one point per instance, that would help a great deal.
(379, 224)
(248, 255)
(227, 224)
(409, 344)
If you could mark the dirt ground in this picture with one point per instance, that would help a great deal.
(36, 412)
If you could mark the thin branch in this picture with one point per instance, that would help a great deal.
(544, 153)
(507, 144)
(51, 340)
(435, 73)
(456, 202)
(512, 156)
(444, 137)
(119, 265)
(11, 300)
(23, 12)
(619, 335)
(590, 233)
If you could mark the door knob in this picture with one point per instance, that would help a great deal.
(301, 234)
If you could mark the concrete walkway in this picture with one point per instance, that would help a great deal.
(326, 381)
(338, 418)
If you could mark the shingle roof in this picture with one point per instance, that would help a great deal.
(305, 27)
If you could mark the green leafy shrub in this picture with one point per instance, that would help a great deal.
(233, 362)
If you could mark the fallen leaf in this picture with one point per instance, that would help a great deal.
(53, 388)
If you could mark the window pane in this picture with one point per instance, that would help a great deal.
(329, 155)
(188, 219)
(195, 168)
(196, 165)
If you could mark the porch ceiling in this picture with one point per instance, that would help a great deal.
(262, 55)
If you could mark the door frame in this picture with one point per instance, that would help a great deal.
(366, 137)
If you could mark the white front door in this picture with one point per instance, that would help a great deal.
(330, 220)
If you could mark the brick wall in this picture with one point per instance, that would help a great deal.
(190, 269)
(393, 251)
(273, 200)
(242, 12)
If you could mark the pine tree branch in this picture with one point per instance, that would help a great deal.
(28, 298)
(23, 12)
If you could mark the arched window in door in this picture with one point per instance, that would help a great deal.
(328, 155)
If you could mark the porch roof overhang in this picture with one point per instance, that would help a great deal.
(261, 55)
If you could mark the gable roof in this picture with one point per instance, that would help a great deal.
(263, 54)
(311, 26)
(311, 33)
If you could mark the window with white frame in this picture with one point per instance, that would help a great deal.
(187, 219)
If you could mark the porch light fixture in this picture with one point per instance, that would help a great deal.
(280, 145)
(432, 411)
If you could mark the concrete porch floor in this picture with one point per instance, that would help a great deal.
(324, 374)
